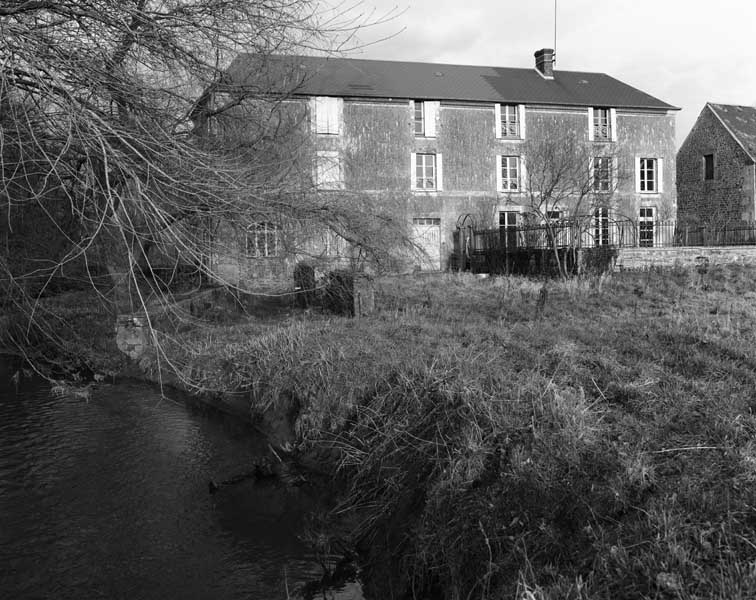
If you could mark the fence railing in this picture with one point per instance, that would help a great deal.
(602, 232)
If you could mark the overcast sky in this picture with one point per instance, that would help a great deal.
(685, 52)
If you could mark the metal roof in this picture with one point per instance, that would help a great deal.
(741, 123)
(350, 77)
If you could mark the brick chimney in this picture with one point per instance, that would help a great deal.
(544, 62)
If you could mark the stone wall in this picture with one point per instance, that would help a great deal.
(644, 258)
(729, 197)
(377, 142)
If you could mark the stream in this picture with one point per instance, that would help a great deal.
(107, 497)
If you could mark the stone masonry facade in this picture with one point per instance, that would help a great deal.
(728, 197)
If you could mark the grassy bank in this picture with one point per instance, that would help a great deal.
(595, 440)
(495, 438)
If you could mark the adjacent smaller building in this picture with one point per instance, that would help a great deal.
(716, 168)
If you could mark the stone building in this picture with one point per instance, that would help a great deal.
(450, 141)
(716, 168)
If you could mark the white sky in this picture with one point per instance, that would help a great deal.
(684, 52)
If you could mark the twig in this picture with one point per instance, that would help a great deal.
(685, 448)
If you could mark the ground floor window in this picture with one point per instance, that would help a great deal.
(263, 240)
(646, 226)
(601, 227)
(509, 221)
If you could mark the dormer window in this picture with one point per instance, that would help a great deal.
(327, 115)
(424, 114)
(602, 124)
(510, 121)
(419, 118)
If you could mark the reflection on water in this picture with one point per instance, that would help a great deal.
(108, 499)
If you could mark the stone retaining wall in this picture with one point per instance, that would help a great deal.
(643, 258)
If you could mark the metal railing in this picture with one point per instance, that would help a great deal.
(603, 232)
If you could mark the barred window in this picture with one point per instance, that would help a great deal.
(263, 240)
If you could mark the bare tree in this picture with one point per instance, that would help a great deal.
(109, 147)
(570, 188)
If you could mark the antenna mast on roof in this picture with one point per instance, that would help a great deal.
(553, 57)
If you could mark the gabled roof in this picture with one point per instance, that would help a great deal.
(349, 77)
(740, 121)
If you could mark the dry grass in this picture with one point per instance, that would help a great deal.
(596, 445)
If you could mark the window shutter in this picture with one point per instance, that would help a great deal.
(613, 120)
(439, 172)
(413, 171)
(615, 173)
(412, 115)
(334, 118)
(429, 114)
(523, 173)
(313, 115)
(660, 175)
(321, 114)
(590, 127)
(637, 174)
(497, 125)
(498, 173)
(521, 111)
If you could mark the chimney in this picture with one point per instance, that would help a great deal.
(544, 62)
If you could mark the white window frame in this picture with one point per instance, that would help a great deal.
(601, 225)
(329, 172)
(642, 171)
(505, 164)
(646, 221)
(611, 124)
(428, 111)
(263, 240)
(418, 117)
(327, 115)
(504, 112)
(436, 164)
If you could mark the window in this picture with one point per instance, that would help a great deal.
(602, 124)
(649, 175)
(328, 170)
(424, 117)
(263, 240)
(419, 118)
(509, 221)
(646, 226)
(554, 215)
(708, 161)
(509, 173)
(601, 227)
(602, 174)
(510, 121)
(426, 171)
(327, 115)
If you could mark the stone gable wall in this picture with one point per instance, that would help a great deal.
(729, 197)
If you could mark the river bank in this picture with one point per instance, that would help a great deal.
(508, 438)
